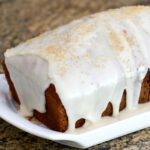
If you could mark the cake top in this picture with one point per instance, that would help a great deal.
(71, 37)
(93, 42)
(81, 39)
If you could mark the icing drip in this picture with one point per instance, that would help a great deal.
(90, 61)
(26, 75)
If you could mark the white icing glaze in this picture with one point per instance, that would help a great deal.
(90, 61)
(26, 75)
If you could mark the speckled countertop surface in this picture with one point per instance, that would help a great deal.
(23, 19)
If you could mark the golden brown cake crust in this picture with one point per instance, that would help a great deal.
(145, 89)
(55, 116)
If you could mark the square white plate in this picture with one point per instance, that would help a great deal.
(108, 129)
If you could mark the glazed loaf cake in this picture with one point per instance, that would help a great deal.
(92, 67)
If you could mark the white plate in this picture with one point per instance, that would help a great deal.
(83, 139)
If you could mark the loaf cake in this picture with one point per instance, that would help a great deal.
(93, 67)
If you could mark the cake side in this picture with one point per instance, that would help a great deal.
(55, 116)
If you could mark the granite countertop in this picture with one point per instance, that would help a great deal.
(21, 20)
